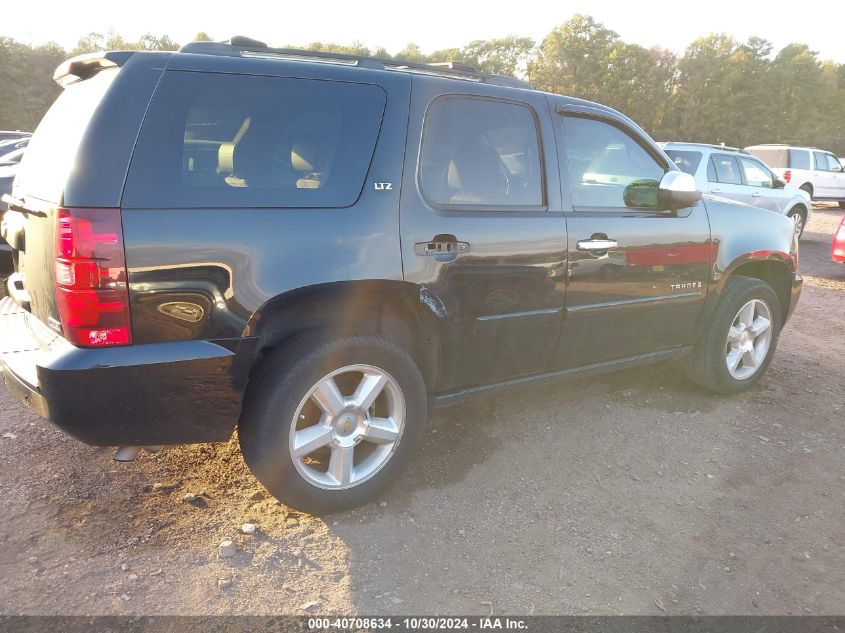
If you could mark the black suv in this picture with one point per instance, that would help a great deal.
(315, 249)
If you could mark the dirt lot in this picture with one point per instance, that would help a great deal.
(633, 493)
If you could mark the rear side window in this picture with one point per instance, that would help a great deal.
(686, 161)
(213, 140)
(481, 152)
(798, 159)
(52, 150)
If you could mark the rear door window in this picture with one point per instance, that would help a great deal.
(214, 140)
(481, 152)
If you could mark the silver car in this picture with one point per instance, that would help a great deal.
(731, 173)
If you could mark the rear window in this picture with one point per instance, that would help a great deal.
(52, 151)
(212, 140)
(779, 157)
(685, 160)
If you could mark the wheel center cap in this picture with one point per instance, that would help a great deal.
(744, 338)
(349, 428)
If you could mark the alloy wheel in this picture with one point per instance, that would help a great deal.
(347, 427)
(749, 339)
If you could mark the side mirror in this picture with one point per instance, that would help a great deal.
(677, 190)
(778, 183)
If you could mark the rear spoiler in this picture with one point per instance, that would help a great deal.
(86, 66)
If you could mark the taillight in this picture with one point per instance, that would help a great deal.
(91, 290)
(787, 175)
(837, 251)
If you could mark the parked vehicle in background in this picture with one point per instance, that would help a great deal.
(816, 171)
(837, 250)
(313, 247)
(12, 145)
(733, 174)
(12, 158)
(6, 135)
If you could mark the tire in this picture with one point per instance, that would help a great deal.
(799, 219)
(707, 364)
(808, 188)
(842, 204)
(280, 404)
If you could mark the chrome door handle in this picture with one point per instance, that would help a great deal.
(756, 194)
(596, 245)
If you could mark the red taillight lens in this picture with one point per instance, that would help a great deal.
(837, 251)
(787, 175)
(91, 290)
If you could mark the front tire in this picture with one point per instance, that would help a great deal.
(799, 220)
(331, 421)
(741, 339)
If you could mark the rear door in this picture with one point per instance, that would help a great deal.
(482, 232)
(637, 276)
(725, 178)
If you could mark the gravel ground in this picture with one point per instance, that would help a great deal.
(633, 493)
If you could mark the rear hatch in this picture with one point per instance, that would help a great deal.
(63, 222)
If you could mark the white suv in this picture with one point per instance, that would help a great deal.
(816, 171)
(730, 173)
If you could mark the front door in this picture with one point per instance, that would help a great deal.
(825, 180)
(637, 276)
(761, 183)
(483, 236)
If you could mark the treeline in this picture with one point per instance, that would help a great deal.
(719, 90)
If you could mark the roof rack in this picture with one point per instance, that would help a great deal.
(245, 46)
(726, 148)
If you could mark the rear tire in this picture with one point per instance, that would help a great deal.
(808, 188)
(311, 434)
(730, 333)
(842, 204)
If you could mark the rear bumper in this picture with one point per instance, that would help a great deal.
(164, 393)
(794, 294)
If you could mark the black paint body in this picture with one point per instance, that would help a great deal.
(213, 291)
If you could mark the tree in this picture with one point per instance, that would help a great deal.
(506, 56)
(573, 59)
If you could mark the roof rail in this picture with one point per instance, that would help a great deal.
(726, 148)
(240, 45)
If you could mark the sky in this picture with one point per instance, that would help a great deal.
(432, 25)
